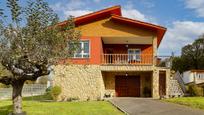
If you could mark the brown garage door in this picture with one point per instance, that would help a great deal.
(127, 86)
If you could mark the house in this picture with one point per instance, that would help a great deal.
(194, 77)
(118, 58)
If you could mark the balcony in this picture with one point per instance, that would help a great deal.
(127, 59)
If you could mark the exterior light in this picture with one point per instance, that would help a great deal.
(126, 44)
(126, 74)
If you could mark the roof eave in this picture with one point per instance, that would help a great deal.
(116, 10)
(159, 29)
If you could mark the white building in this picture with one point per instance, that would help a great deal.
(193, 76)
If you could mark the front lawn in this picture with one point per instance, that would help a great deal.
(62, 108)
(195, 102)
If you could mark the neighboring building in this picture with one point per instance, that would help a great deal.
(118, 57)
(194, 77)
(166, 62)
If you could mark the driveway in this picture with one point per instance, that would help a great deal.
(147, 106)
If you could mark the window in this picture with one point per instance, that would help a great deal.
(200, 76)
(134, 54)
(83, 51)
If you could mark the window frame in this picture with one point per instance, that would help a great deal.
(82, 51)
(134, 50)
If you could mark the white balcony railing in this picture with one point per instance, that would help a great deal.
(142, 59)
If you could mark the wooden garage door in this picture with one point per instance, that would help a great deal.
(127, 86)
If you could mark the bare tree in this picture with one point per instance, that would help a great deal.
(31, 42)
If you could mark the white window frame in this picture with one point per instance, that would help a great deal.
(136, 55)
(82, 51)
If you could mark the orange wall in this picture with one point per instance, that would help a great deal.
(122, 49)
(146, 51)
(96, 49)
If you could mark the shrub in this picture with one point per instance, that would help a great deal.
(48, 89)
(194, 90)
(55, 92)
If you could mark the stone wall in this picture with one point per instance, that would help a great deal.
(83, 82)
(86, 82)
(155, 84)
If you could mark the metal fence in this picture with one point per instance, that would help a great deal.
(28, 90)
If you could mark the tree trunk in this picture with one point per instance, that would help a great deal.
(17, 97)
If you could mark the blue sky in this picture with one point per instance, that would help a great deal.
(184, 19)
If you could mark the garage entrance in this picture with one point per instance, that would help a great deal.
(127, 86)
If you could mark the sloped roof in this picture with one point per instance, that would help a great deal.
(115, 14)
(105, 13)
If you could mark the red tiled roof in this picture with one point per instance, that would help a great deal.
(116, 10)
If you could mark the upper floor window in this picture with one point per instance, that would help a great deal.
(83, 50)
(134, 54)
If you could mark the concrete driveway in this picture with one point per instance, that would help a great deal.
(146, 106)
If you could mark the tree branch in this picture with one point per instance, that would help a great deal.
(7, 80)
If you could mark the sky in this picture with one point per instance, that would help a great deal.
(184, 19)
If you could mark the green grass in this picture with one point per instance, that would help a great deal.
(61, 108)
(195, 102)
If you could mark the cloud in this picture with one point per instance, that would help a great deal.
(71, 5)
(75, 4)
(180, 34)
(147, 3)
(137, 15)
(78, 8)
(76, 13)
(130, 12)
(197, 5)
(71, 8)
(134, 14)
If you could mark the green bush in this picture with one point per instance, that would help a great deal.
(194, 90)
(55, 92)
(48, 89)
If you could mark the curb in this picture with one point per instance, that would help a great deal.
(118, 107)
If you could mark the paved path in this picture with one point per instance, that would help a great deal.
(145, 106)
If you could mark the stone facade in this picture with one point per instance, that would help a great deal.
(155, 84)
(89, 82)
(168, 72)
(83, 82)
(155, 93)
